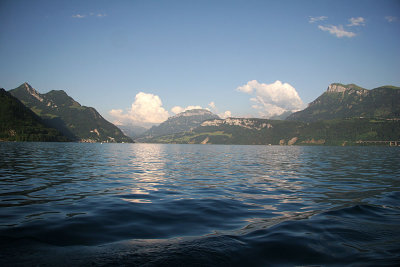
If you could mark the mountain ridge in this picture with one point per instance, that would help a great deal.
(19, 123)
(255, 131)
(349, 101)
(350, 112)
(184, 121)
(342, 115)
(60, 111)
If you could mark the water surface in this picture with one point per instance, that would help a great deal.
(151, 204)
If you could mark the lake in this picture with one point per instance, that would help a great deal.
(64, 204)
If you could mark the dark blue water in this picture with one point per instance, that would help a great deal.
(64, 204)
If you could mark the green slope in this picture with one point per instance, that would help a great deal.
(275, 132)
(184, 121)
(349, 101)
(62, 112)
(19, 123)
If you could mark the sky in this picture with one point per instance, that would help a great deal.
(139, 62)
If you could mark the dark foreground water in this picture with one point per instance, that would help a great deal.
(74, 204)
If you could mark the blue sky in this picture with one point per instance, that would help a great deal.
(191, 53)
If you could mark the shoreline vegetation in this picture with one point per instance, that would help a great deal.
(338, 132)
(344, 115)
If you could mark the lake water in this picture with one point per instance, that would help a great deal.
(66, 204)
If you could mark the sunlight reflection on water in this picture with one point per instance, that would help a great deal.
(89, 194)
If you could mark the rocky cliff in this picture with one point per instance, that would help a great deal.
(350, 101)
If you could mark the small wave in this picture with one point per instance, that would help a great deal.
(361, 234)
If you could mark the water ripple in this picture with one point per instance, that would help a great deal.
(249, 196)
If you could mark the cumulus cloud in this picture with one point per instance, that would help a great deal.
(147, 108)
(391, 18)
(178, 109)
(248, 88)
(78, 16)
(272, 99)
(337, 30)
(360, 21)
(215, 110)
(315, 19)
(225, 114)
(212, 107)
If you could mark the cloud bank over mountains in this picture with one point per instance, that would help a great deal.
(268, 100)
(272, 99)
(147, 109)
(178, 109)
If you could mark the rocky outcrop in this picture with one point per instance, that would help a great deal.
(33, 92)
(205, 141)
(245, 123)
(336, 88)
(292, 141)
(341, 101)
(349, 88)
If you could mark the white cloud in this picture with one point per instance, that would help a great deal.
(225, 114)
(337, 30)
(91, 14)
(178, 109)
(391, 18)
(78, 16)
(213, 108)
(248, 88)
(222, 115)
(147, 108)
(360, 21)
(315, 19)
(272, 99)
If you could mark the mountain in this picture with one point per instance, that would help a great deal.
(19, 123)
(132, 131)
(343, 115)
(58, 110)
(349, 101)
(182, 122)
(282, 116)
(252, 131)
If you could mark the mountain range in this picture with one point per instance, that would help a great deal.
(133, 131)
(343, 115)
(60, 111)
(278, 132)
